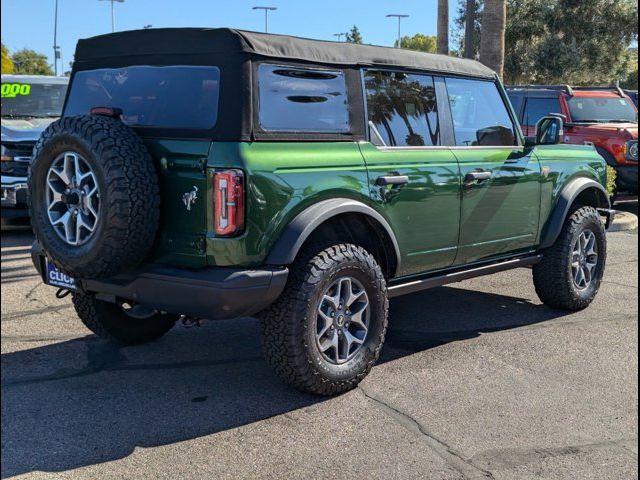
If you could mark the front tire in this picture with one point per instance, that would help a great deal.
(571, 271)
(119, 324)
(326, 331)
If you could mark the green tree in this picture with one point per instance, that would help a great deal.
(420, 42)
(631, 82)
(30, 62)
(7, 63)
(564, 41)
(354, 36)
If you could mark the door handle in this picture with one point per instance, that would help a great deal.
(392, 180)
(477, 176)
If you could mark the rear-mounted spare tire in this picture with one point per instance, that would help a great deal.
(94, 196)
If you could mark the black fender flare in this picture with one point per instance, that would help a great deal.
(286, 249)
(607, 156)
(567, 197)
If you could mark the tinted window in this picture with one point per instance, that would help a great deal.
(403, 108)
(516, 102)
(536, 108)
(28, 99)
(302, 100)
(175, 97)
(480, 116)
(602, 109)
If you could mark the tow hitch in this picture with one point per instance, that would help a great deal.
(190, 322)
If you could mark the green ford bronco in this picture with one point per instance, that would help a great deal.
(217, 174)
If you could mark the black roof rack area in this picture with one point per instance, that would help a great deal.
(558, 88)
(568, 89)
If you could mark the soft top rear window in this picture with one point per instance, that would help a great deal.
(181, 97)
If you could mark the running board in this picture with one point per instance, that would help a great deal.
(458, 276)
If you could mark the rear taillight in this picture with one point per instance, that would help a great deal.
(228, 202)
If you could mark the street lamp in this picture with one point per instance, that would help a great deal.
(113, 16)
(339, 36)
(56, 47)
(266, 16)
(399, 17)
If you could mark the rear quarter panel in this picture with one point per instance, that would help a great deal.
(282, 180)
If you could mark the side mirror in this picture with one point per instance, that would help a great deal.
(549, 130)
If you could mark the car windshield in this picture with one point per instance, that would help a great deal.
(602, 109)
(183, 97)
(22, 99)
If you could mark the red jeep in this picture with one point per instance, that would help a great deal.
(605, 118)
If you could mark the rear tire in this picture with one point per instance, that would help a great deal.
(110, 322)
(571, 271)
(326, 331)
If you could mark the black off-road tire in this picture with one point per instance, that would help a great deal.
(110, 322)
(553, 277)
(288, 340)
(129, 195)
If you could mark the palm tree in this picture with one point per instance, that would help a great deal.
(469, 29)
(494, 19)
(443, 27)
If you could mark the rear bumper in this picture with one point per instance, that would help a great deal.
(210, 293)
(14, 196)
(627, 179)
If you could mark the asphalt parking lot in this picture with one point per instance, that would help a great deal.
(477, 380)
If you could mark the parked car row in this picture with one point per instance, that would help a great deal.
(605, 118)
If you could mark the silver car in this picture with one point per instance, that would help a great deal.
(29, 104)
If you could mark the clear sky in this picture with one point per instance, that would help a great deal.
(29, 23)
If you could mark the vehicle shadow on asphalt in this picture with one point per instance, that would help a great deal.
(86, 401)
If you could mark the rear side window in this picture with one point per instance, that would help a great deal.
(536, 108)
(480, 116)
(403, 108)
(183, 97)
(296, 99)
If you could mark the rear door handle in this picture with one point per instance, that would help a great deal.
(477, 176)
(392, 180)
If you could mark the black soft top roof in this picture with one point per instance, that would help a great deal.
(202, 45)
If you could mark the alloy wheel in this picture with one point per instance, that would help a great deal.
(584, 259)
(73, 198)
(342, 320)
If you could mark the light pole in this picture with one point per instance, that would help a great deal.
(56, 48)
(399, 17)
(266, 16)
(340, 35)
(113, 15)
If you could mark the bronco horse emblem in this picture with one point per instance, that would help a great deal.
(190, 197)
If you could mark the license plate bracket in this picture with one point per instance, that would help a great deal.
(57, 278)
